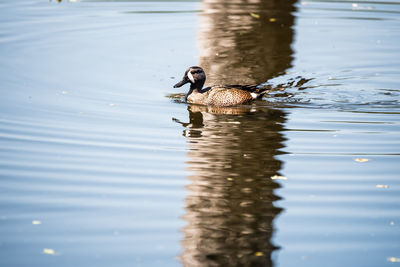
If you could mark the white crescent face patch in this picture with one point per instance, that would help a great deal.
(190, 76)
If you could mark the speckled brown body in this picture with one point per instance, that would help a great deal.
(219, 96)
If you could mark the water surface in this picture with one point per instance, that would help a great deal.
(99, 167)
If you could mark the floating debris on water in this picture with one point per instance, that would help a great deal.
(49, 251)
(36, 222)
(229, 179)
(259, 254)
(382, 186)
(278, 177)
(272, 19)
(393, 259)
(254, 15)
(361, 160)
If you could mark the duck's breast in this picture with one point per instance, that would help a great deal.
(198, 98)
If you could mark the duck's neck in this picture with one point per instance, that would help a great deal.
(194, 86)
(188, 93)
(197, 85)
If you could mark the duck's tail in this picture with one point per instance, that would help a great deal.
(257, 92)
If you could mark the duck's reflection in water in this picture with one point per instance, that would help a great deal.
(230, 204)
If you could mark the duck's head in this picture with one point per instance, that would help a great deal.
(195, 76)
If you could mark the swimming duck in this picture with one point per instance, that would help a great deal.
(217, 95)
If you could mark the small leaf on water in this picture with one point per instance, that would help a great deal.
(254, 15)
(393, 259)
(361, 160)
(278, 177)
(49, 251)
(382, 186)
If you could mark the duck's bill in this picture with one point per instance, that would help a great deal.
(184, 81)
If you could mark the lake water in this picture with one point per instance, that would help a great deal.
(101, 164)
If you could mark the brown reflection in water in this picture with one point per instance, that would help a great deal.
(245, 42)
(229, 208)
(232, 151)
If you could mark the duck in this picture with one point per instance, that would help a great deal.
(217, 95)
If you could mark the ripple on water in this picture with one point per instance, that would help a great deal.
(119, 175)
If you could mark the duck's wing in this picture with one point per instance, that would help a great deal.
(260, 91)
(204, 90)
(246, 87)
(251, 88)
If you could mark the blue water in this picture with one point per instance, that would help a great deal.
(101, 166)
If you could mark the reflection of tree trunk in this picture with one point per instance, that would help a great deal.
(236, 47)
(229, 209)
(232, 151)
